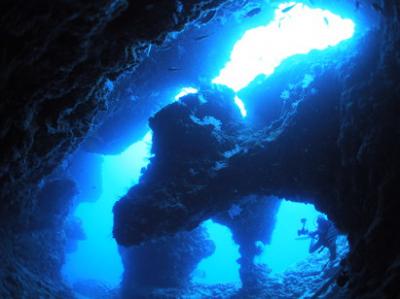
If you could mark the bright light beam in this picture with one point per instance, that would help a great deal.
(295, 29)
(185, 91)
(241, 106)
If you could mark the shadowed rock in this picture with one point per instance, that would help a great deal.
(164, 263)
(336, 145)
(206, 157)
(252, 222)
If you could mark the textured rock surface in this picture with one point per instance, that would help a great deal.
(197, 126)
(310, 279)
(202, 146)
(252, 222)
(165, 263)
(30, 265)
(31, 260)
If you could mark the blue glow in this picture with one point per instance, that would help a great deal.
(286, 247)
(221, 266)
(185, 91)
(97, 257)
(241, 106)
(109, 85)
(295, 29)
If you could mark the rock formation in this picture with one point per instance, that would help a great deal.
(335, 144)
(164, 263)
(251, 223)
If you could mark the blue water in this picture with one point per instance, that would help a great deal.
(221, 266)
(97, 257)
(286, 248)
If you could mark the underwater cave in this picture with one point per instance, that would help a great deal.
(200, 149)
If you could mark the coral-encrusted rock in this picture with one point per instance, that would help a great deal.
(252, 222)
(206, 157)
(198, 126)
(54, 201)
(164, 263)
(31, 261)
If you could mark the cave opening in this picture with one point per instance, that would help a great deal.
(289, 246)
(97, 258)
(82, 84)
(282, 254)
(221, 267)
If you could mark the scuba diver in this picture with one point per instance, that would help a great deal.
(324, 236)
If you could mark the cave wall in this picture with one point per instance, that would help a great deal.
(369, 145)
(58, 60)
(31, 260)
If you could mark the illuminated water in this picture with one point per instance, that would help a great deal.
(221, 267)
(97, 257)
(185, 91)
(286, 247)
(297, 31)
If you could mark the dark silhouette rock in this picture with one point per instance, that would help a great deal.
(54, 201)
(164, 263)
(250, 223)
